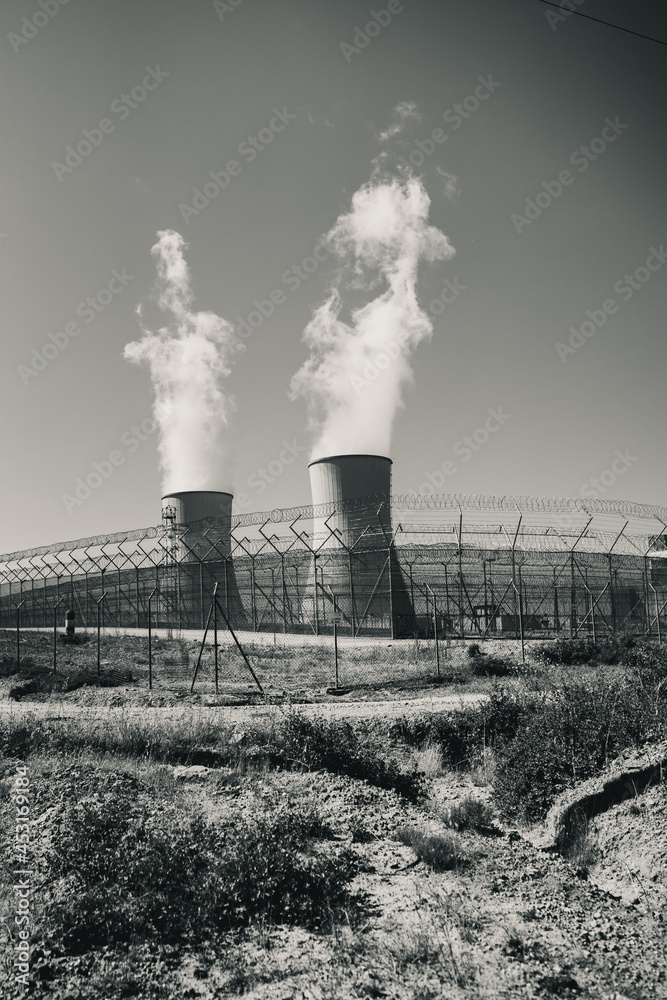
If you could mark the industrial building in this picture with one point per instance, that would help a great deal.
(375, 563)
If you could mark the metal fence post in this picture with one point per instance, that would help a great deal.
(435, 632)
(18, 633)
(150, 640)
(99, 627)
(215, 636)
(335, 633)
(55, 635)
(391, 590)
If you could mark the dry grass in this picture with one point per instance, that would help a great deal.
(442, 852)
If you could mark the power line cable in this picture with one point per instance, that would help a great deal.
(598, 20)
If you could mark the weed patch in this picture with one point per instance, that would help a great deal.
(119, 865)
(468, 814)
(439, 851)
(337, 746)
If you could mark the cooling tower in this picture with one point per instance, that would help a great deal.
(198, 556)
(196, 540)
(365, 562)
(349, 477)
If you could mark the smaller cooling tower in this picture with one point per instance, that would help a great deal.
(190, 507)
(349, 477)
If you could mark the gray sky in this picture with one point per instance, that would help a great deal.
(218, 77)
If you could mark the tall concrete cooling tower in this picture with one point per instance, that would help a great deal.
(360, 579)
(349, 477)
(198, 556)
(192, 506)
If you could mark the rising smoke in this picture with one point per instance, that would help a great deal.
(188, 359)
(381, 241)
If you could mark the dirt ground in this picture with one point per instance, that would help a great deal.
(510, 921)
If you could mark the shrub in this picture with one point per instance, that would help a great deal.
(438, 851)
(567, 652)
(10, 666)
(464, 735)
(119, 865)
(493, 666)
(337, 746)
(42, 680)
(565, 738)
(474, 649)
(468, 814)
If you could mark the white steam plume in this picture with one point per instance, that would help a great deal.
(187, 359)
(354, 377)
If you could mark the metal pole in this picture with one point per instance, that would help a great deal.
(391, 591)
(335, 634)
(240, 649)
(99, 608)
(55, 636)
(215, 636)
(282, 574)
(203, 642)
(315, 597)
(150, 641)
(18, 633)
(253, 607)
(573, 598)
(612, 596)
(521, 635)
(435, 632)
(657, 614)
(351, 579)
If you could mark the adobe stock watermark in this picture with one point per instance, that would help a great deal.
(88, 311)
(625, 287)
(31, 26)
(464, 449)
(222, 7)
(23, 886)
(94, 137)
(597, 486)
(567, 9)
(130, 440)
(454, 116)
(374, 367)
(582, 157)
(249, 149)
(379, 20)
(262, 478)
(292, 279)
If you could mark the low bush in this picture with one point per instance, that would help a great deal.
(575, 652)
(42, 680)
(438, 851)
(9, 665)
(465, 735)
(567, 737)
(336, 745)
(119, 865)
(493, 666)
(567, 652)
(468, 814)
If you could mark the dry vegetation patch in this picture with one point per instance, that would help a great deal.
(300, 856)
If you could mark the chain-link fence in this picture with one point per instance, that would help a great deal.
(460, 575)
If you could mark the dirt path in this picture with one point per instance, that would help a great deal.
(61, 709)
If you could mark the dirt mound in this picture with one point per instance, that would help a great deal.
(632, 842)
(625, 779)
